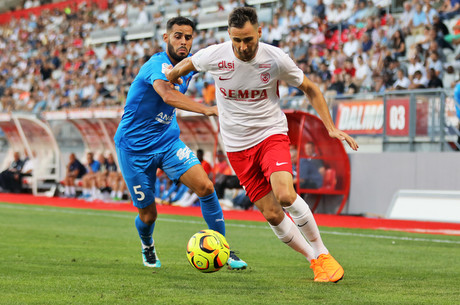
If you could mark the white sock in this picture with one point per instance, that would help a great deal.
(144, 246)
(303, 218)
(73, 191)
(288, 233)
(120, 194)
(67, 190)
(113, 193)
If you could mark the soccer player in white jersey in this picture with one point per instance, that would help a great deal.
(254, 130)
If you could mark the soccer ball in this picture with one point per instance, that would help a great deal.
(208, 251)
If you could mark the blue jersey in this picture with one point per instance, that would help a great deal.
(148, 124)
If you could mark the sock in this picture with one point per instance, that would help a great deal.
(303, 218)
(145, 232)
(212, 213)
(72, 190)
(113, 193)
(120, 194)
(67, 190)
(288, 233)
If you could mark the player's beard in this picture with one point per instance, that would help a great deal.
(248, 56)
(174, 55)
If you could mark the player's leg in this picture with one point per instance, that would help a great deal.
(197, 180)
(137, 173)
(180, 163)
(287, 232)
(300, 212)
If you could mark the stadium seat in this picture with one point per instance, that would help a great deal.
(140, 31)
(330, 179)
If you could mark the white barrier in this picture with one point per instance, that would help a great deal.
(425, 205)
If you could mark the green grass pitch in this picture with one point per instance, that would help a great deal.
(71, 256)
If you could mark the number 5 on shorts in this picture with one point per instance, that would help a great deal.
(139, 192)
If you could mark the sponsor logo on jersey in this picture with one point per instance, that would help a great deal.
(164, 118)
(226, 66)
(224, 78)
(265, 66)
(183, 153)
(244, 94)
(265, 77)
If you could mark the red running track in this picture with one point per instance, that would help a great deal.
(326, 220)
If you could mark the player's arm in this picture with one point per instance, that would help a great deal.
(178, 100)
(183, 68)
(319, 103)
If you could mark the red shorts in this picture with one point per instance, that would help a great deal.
(255, 165)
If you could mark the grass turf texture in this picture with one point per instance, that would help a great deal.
(70, 256)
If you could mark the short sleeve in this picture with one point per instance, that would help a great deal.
(155, 71)
(289, 71)
(203, 58)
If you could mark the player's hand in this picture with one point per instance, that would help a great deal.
(211, 111)
(342, 136)
(167, 72)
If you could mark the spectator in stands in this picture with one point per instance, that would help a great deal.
(351, 46)
(366, 42)
(392, 26)
(363, 76)
(349, 85)
(10, 179)
(418, 81)
(405, 20)
(433, 62)
(434, 80)
(190, 198)
(402, 82)
(419, 20)
(89, 179)
(223, 175)
(415, 65)
(319, 10)
(439, 27)
(74, 170)
(397, 45)
(206, 166)
(449, 9)
(209, 94)
(311, 168)
(453, 38)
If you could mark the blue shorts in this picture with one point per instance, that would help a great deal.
(139, 171)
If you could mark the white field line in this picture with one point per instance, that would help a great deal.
(263, 226)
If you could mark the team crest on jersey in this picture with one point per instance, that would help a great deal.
(164, 66)
(184, 153)
(265, 77)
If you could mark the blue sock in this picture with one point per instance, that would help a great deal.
(212, 213)
(145, 231)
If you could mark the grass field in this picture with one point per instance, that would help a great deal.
(70, 256)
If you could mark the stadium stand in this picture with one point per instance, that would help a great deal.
(72, 54)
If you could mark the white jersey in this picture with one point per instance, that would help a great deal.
(247, 92)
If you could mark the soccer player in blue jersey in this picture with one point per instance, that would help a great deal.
(148, 138)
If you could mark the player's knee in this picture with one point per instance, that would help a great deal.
(285, 197)
(148, 218)
(205, 188)
(274, 217)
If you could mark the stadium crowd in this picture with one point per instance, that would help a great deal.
(346, 47)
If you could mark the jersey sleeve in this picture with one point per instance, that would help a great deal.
(156, 71)
(289, 71)
(203, 58)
